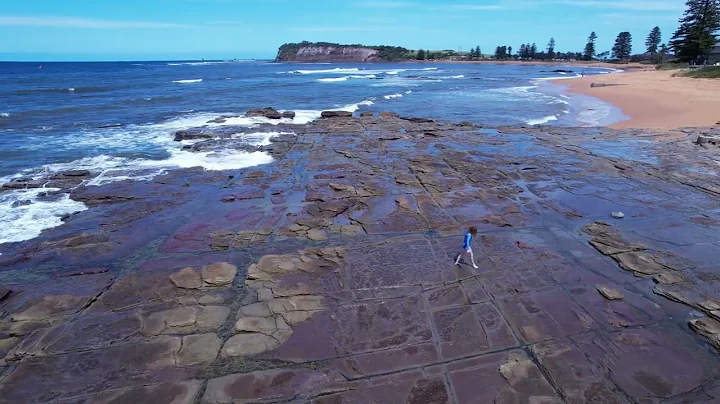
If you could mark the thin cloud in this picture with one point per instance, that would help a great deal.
(610, 17)
(387, 4)
(84, 23)
(469, 7)
(635, 5)
(344, 29)
(437, 7)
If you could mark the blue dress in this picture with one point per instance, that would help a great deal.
(467, 241)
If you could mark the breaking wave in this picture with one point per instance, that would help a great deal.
(541, 121)
(188, 81)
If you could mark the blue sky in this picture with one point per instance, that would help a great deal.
(223, 29)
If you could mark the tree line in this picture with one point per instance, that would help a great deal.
(693, 41)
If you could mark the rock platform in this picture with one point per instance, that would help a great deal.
(327, 276)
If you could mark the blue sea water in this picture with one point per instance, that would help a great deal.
(54, 116)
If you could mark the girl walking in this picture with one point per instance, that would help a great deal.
(467, 246)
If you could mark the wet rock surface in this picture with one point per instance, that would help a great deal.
(327, 275)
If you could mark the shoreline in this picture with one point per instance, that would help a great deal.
(652, 99)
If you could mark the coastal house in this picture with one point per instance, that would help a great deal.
(714, 56)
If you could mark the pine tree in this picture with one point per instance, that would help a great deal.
(697, 32)
(510, 52)
(551, 49)
(662, 52)
(653, 40)
(523, 52)
(421, 55)
(533, 51)
(478, 53)
(590, 47)
(623, 46)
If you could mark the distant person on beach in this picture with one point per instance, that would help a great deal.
(467, 246)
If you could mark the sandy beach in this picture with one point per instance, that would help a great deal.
(654, 99)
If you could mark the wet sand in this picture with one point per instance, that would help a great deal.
(654, 99)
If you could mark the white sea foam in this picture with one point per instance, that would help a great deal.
(395, 81)
(408, 92)
(593, 113)
(26, 222)
(459, 76)
(198, 63)
(512, 90)
(4, 114)
(391, 96)
(520, 94)
(557, 78)
(541, 121)
(333, 79)
(336, 70)
(188, 81)
(354, 107)
(558, 101)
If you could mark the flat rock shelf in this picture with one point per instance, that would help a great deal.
(327, 275)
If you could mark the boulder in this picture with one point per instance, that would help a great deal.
(609, 293)
(192, 134)
(336, 114)
(389, 115)
(269, 113)
(219, 274)
(75, 173)
(18, 204)
(708, 140)
(186, 278)
(366, 114)
(4, 292)
(707, 328)
(23, 183)
(288, 114)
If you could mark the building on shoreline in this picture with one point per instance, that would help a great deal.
(714, 56)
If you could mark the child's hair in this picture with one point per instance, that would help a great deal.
(472, 230)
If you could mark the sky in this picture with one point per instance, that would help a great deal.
(46, 30)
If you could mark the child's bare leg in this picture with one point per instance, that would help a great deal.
(472, 259)
(457, 261)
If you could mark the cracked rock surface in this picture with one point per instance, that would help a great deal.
(328, 276)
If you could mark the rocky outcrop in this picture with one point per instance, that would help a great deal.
(329, 54)
(336, 114)
(269, 113)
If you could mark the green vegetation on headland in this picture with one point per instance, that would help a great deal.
(712, 72)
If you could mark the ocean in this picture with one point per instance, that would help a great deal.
(118, 119)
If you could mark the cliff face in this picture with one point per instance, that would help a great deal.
(312, 53)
